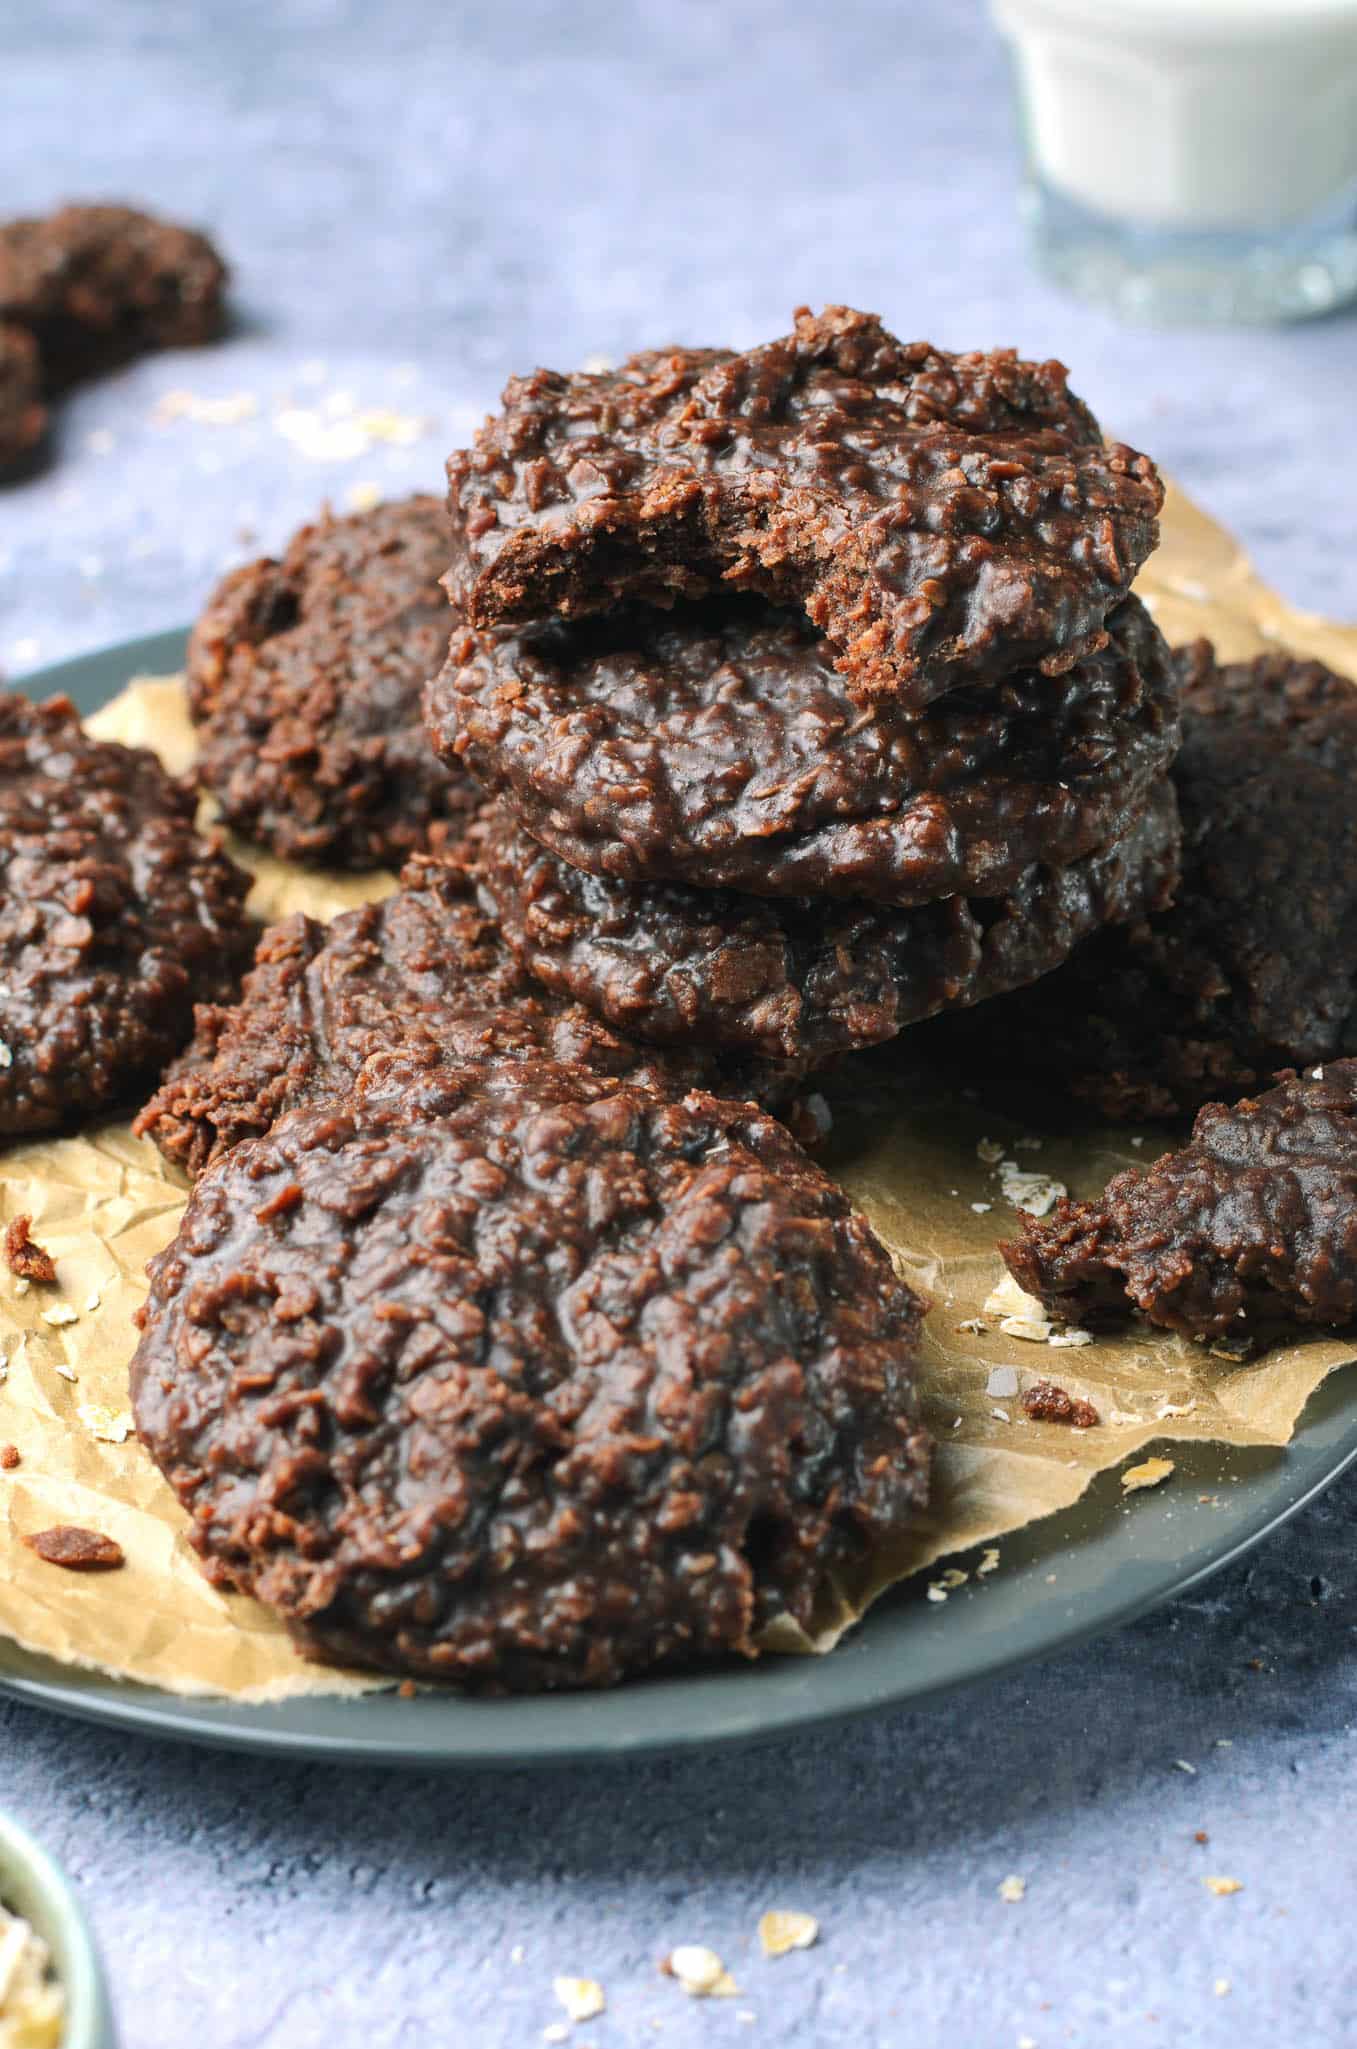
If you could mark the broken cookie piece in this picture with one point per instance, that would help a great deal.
(1251, 1225)
(1045, 1402)
(25, 1257)
(79, 1550)
(1253, 967)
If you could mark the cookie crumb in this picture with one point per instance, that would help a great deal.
(25, 1257)
(1038, 1194)
(1045, 1402)
(582, 1998)
(9, 1457)
(110, 1426)
(230, 410)
(1006, 1298)
(783, 1929)
(699, 1971)
(1033, 1330)
(1012, 1889)
(79, 1550)
(1149, 1473)
(1221, 1887)
(989, 1561)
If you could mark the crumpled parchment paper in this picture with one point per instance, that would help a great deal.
(926, 1168)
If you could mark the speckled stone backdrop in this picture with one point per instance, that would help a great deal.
(418, 198)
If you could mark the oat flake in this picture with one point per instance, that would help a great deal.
(110, 1426)
(1149, 1473)
(582, 1998)
(781, 1929)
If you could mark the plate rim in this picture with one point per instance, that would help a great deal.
(453, 1732)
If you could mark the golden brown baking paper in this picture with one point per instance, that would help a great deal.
(103, 1203)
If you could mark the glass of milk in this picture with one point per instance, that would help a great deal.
(1191, 159)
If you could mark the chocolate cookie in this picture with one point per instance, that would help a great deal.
(1255, 966)
(798, 978)
(548, 1383)
(304, 680)
(717, 745)
(97, 284)
(1251, 1226)
(114, 917)
(943, 519)
(423, 969)
(23, 417)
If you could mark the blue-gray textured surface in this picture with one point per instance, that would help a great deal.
(417, 199)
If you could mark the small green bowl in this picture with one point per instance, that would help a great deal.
(33, 1886)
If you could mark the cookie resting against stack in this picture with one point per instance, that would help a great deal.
(304, 682)
(1250, 1227)
(115, 918)
(502, 1342)
(1254, 968)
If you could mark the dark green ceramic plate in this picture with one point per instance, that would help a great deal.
(1090, 1569)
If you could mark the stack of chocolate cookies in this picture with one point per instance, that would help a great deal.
(505, 1339)
(808, 685)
